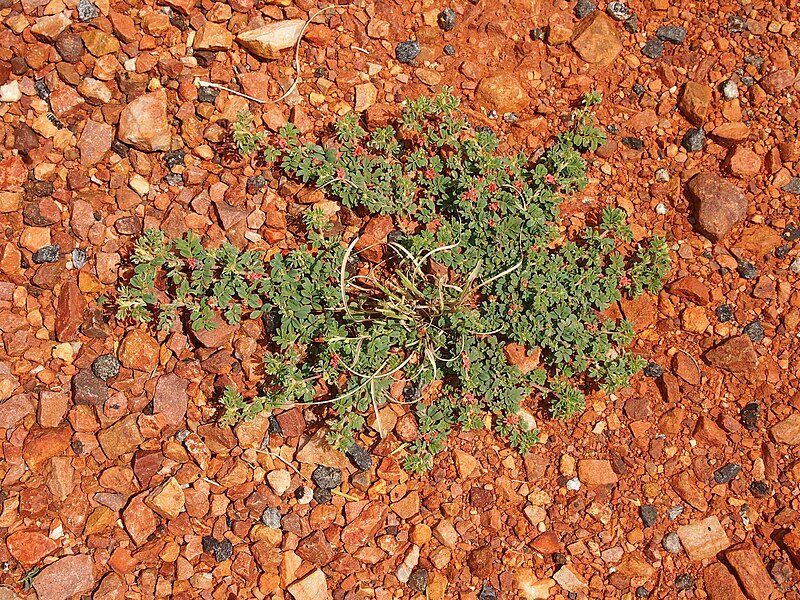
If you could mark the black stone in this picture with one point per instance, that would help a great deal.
(559, 558)
(613, 129)
(671, 34)
(782, 250)
(204, 59)
(449, 50)
(754, 330)
(736, 24)
(173, 178)
(105, 366)
(727, 473)
(48, 254)
(537, 34)
(750, 414)
(207, 94)
(255, 183)
(487, 593)
(40, 85)
(747, 270)
(649, 514)
(323, 496)
(209, 543)
(178, 21)
(631, 25)
(274, 426)
(406, 52)
(618, 11)
(638, 89)
(653, 48)
(724, 313)
(121, 148)
(447, 19)
(87, 11)
(359, 457)
(684, 582)
(327, 477)
(418, 580)
(755, 60)
(693, 139)
(633, 143)
(759, 489)
(395, 236)
(791, 233)
(653, 370)
(642, 592)
(584, 8)
(174, 159)
(223, 550)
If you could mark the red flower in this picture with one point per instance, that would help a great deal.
(492, 187)
(340, 174)
(469, 398)
(470, 194)
(191, 263)
(549, 178)
(360, 151)
(493, 206)
(591, 326)
(465, 360)
(430, 174)
(491, 222)
(511, 420)
(624, 281)
(334, 360)
(282, 143)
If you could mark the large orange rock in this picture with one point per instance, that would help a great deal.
(503, 93)
(596, 39)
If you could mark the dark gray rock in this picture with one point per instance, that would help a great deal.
(406, 52)
(694, 139)
(727, 473)
(754, 330)
(48, 254)
(684, 582)
(327, 478)
(649, 514)
(418, 580)
(87, 11)
(671, 34)
(447, 19)
(724, 313)
(271, 517)
(653, 48)
(750, 415)
(359, 457)
(584, 8)
(105, 366)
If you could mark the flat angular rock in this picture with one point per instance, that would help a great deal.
(139, 351)
(750, 571)
(596, 472)
(66, 578)
(503, 93)
(721, 584)
(730, 134)
(596, 39)
(139, 520)
(170, 398)
(144, 125)
(531, 587)
(364, 527)
(49, 28)
(121, 437)
(718, 205)
(69, 312)
(569, 579)
(43, 444)
(95, 141)
(13, 410)
(89, 389)
(167, 499)
(30, 546)
(313, 586)
(695, 102)
(268, 41)
(735, 355)
(787, 431)
(703, 539)
(685, 485)
(213, 36)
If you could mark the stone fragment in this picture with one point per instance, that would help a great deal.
(692, 289)
(730, 134)
(144, 124)
(703, 539)
(720, 584)
(213, 36)
(466, 464)
(596, 472)
(66, 578)
(89, 389)
(363, 528)
(316, 549)
(52, 408)
(685, 485)
(43, 444)
(99, 43)
(750, 571)
(49, 28)
(95, 141)
(743, 163)
(140, 522)
(366, 96)
(596, 39)
(735, 355)
(695, 102)
(787, 431)
(569, 579)
(170, 398)
(13, 410)
(719, 205)
(777, 81)
(139, 351)
(167, 499)
(503, 93)
(530, 586)
(30, 546)
(268, 41)
(313, 586)
(120, 438)
(69, 312)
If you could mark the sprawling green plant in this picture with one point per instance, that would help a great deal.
(478, 262)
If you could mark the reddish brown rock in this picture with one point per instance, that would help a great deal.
(144, 125)
(139, 520)
(112, 587)
(121, 437)
(787, 431)
(685, 485)
(481, 562)
(750, 571)
(735, 355)
(213, 36)
(707, 432)
(139, 351)
(776, 82)
(596, 472)
(730, 134)
(95, 142)
(695, 102)
(692, 289)
(315, 549)
(503, 93)
(66, 578)
(703, 539)
(170, 398)
(721, 584)
(292, 422)
(719, 205)
(30, 546)
(69, 314)
(597, 40)
(167, 499)
(52, 408)
(13, 410)
(43, 444)
(743, 163)
(364, 527)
